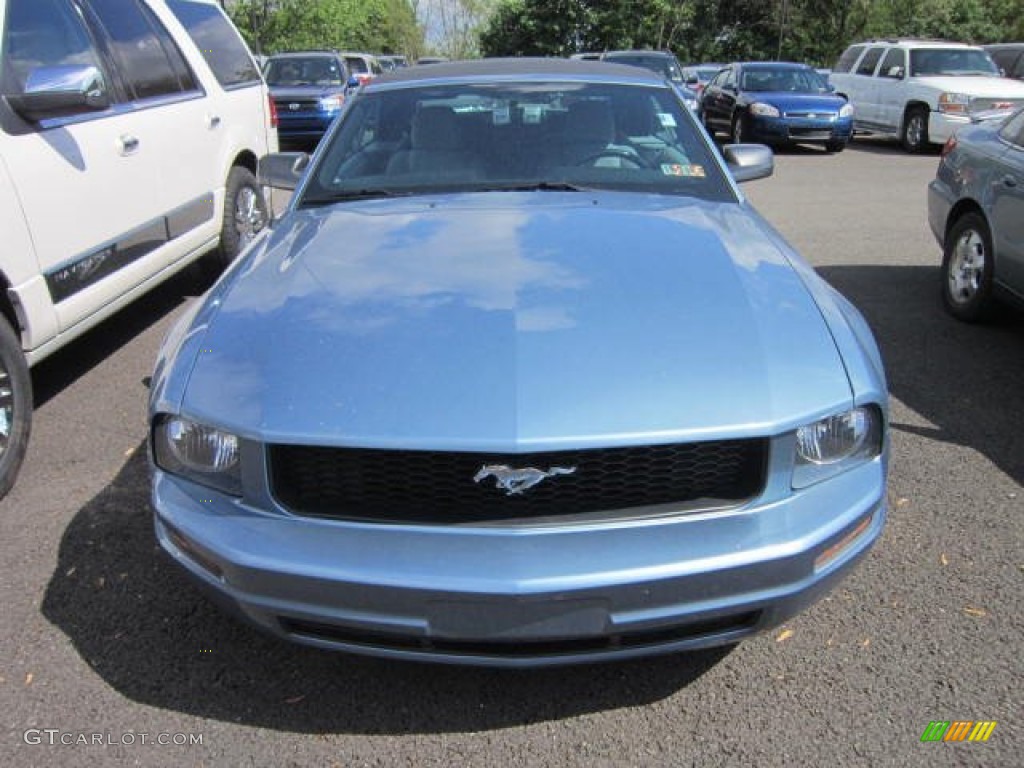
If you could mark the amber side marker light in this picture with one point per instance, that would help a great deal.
(192, 552)
(830, 554)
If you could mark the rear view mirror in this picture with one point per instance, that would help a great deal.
(60, 92)
(282, 170)
(749, 161)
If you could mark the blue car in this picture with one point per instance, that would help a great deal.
(976, 212)
(777, 103)
(308, 90)
(519, 378)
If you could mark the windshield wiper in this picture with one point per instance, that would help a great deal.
(353, 194)
(534, 186)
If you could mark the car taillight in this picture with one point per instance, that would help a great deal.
(949, 146)
(273, 112)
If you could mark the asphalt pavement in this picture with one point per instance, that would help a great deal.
(106, 645)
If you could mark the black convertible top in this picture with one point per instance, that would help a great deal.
(474, 68)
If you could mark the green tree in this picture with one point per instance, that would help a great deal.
(270, 26)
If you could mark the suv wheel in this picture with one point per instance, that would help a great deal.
(245, 214)
(915, 130)
(967, 269)
(835, 146)
(15, 407)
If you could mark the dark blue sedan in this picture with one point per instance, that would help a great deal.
(776, 103)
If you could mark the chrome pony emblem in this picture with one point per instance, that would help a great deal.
(515, 481)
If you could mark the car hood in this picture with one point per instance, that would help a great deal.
(305, 91)
(516, 321)
(798, 102)
(975, 85)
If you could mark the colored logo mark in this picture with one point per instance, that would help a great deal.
(958, 730)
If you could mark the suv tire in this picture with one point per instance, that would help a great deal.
(245, 214)
(914, 135)
(15, 407)
(835, 146)
(739, 129)
(967, 269)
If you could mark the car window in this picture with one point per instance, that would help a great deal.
(847, 60)
(951, 61)
(894, 64)
(783, 79)
(474, 137)
(305, 70)
(149, 59)
(43, 33)
(1013, 129)
(223, 49)
(867, 64)
(356, 65)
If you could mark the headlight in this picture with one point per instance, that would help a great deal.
(954, 103)
(331, 103)
(763, 110)
(203, 454)
(836, 443)
(846, 110)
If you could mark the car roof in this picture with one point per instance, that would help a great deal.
(482, 69)
(638, 52)
(302, 54)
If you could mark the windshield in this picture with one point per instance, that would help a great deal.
(783, 79)
(509, 136)
(296, 71)
(951, 61)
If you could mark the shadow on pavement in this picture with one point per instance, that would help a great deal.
(140, 624)
(963, 379)
(63, 368)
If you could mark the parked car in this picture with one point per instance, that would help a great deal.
(776, 102)
(129, 135)
(389, 62)
(431, 60)
(519, 378)
(976, 212)
(696, 76)
(920, 91)
(663, 62)
(308, 89)
(1009, 57)
(363, 67)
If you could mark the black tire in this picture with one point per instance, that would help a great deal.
(967, 268)
(739, 129)
(245, 214)
(15, 407)
(835, 146)
(914, 133)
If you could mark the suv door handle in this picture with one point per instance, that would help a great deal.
(1009, 181)
(129, 144)
(213, 121)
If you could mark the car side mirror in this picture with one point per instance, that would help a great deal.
(749, 161)
(895, 72)
(353, 82)
(282, 170)
(60, 92)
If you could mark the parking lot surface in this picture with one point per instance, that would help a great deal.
(104, 639)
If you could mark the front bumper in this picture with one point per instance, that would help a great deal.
(524, 597)
(303, 125)
(940, 202)
(941, 126)
(800, 129)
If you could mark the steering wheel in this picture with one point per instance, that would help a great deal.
(623, 154)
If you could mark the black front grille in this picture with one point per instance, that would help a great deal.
(525, 648)
(439, 486)
(810, 133)
(304, 105)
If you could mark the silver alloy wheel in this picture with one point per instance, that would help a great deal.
(6, 408)
(915, 130)
(249, 216)
(966, 267)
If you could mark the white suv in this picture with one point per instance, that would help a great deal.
(129, 137)
(921, 91)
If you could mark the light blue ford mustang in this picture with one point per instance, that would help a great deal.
(519, 378)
